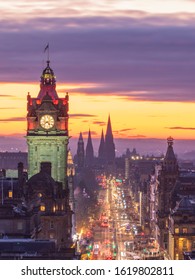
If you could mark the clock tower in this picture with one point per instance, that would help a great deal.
(47, 128)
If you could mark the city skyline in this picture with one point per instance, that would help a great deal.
(132, 60)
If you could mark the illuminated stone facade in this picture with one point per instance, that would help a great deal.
(47, 128)
(47, 139)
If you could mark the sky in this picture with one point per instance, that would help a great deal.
(132, 59)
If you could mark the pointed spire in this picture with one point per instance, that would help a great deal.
(80, 137)
(109, 143)
(170, 153)
(89, 151)
(170, 161)
(101, 150)
(109, 127)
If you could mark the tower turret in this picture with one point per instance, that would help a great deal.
(170, 164)
(168, 177)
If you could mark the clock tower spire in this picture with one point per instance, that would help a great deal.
(47, 128)
(48, 83)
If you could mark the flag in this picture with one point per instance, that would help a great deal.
(47, 47)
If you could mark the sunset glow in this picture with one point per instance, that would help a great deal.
(132, 59)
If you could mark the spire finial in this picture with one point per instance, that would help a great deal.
(170, 141)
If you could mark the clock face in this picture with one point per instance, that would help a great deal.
(47, 121)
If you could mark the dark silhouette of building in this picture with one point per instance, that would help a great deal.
(33, 249)
(172, 206)
(53, 202)
(80, 152)
(167, 179)
(109, 144)
(89, 157)
(181, 227)
(101, 150)
(17, 218)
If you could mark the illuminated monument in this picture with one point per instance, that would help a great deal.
(47, 139)
(47, 131)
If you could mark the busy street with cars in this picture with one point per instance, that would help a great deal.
(115, 232)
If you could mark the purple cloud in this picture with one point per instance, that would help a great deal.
(181, 128)
(81, 116)
(14, 119)
(123, 55)
(6, 95)
(137, 136)
(99, 123)
(8, 108)
(126, 129)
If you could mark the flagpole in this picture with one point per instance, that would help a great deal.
(47, 49)
(48, 52)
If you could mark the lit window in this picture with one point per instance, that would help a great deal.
(42, 208)
(184, 230)
(10, 194)
(177, 230)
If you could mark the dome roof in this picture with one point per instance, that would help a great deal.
(48, 76)
(42, 182)
(48, 83)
